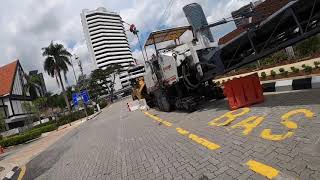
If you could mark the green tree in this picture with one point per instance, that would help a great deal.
(102, 81)
(30, 109)
(33, 83)
(40, 105)
(2, 123)
(98, 79)
(112, 72)
(83, 82)
(308, 46)
(56, 62)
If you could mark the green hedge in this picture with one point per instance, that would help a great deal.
(74, 116)
(44, 129)
(27, 136)
(19, 139)
(44, 124)
(103, 104)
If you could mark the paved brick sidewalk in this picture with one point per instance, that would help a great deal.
(131, 145)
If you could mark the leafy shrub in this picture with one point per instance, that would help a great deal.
(307, 69)
(19, 139)
(103, 104)
(90, 111)
(308, 46)
(43, 124)
(44, 129)
(316, 64)
(273, 73)
(294, 70)
(303, 66)
(74, 116)
(264, 75)
(281, 70)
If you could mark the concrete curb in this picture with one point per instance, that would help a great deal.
(12, 173)
(292, 84)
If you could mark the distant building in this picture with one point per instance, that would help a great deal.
(12, 95)
(136, 71)
(41, 89)
(107, 42)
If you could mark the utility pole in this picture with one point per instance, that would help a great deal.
(78, 89)
(74, 73)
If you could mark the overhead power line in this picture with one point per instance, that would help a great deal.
(165, 13)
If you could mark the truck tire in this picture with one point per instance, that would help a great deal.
(165, 105)
(162, 101)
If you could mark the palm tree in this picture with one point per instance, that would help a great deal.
(32, 84)
(57, 61)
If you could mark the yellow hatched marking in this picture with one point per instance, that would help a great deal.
(263, 169)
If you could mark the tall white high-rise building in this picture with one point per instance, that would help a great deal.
(107, 42)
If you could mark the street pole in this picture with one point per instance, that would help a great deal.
(78, 88)
(74, 73)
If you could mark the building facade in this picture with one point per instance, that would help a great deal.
(41, 88)
(107, 42)
(13, 95)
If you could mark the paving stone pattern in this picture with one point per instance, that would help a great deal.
(129, 145)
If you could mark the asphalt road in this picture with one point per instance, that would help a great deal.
(280, 135)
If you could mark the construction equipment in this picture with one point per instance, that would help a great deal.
(138, 88)
(180, 75)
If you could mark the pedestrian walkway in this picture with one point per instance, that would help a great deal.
(22, 154)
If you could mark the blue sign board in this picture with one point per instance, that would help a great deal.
(83, 95)
(75, 99)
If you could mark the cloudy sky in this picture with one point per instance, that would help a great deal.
(29, 25)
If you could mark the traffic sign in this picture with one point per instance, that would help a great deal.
(81, 96)
(75, 99)
(85, 96)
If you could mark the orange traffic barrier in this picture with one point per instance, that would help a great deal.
(243, 92)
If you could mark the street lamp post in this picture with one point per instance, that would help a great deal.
(74, 73)
(78, 90)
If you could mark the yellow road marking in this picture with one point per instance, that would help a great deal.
(23, 171)
(267, 133)
(166, 123)
(204, 142)
(229, 117)
(182, 131)
(263, 169)
(248, 124)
